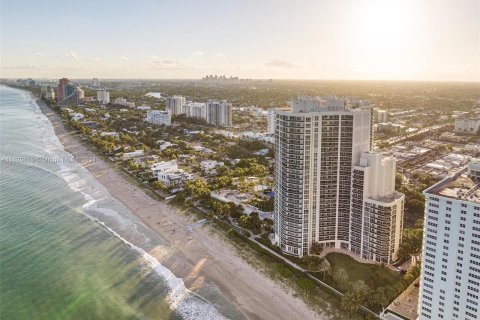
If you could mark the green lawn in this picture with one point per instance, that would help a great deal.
(373, 275)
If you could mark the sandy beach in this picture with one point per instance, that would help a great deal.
(209, 256)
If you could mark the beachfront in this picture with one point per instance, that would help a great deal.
(208, 256)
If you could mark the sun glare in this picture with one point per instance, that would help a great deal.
(384, 25)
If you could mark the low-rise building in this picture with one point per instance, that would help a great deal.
(209, 165)
(133, 154)
(169, 174)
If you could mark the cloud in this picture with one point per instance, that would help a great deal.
(71, 54)
(278, 63)
(124, 58)
(219, 54)
(40, 54)
(198, 53)
(169, 62)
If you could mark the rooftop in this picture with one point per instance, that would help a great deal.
(462, 186)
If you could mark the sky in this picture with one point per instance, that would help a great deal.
(279, 39)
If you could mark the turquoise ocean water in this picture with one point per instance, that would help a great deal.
(68, 250)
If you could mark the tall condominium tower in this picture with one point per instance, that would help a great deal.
(316, 147)
(376, 217)
(175, 104)
(61, 88)
(450, 278)
(219, 113)
(103, 96)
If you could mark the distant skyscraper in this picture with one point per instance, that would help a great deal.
(376, 217)
(316, 147)
(62, 84)
(219, 113)
(103, 96)
(450, 278)
(175, 104)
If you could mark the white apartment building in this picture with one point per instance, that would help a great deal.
(133, 154)
(450, 277)
(380, 115)
(468, 125)
(271, 121)
(159, 117)
(169, 174)
(219, 113)
(316, 147)
(195, 110)
(175, 104)
(103, 96)
(376, 218)
(209, 165)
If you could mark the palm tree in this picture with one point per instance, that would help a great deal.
(350, 302)
(324, 267)
(341, 276)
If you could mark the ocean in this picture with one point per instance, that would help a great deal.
(68, 249)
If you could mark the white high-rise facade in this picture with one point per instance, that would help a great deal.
(175, 104)
(103, 96)
(450, 277)
(271, 121)
(219, 113)
(159, 117)
(467, 125)
(316, 147)
(195, 110)
(376, 217)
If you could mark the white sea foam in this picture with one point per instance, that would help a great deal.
(186, 303)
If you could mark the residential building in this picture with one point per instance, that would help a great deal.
(133, 154)
(467, 124)
(103, 96)
(376, 217)
(380, 116)
(316, 147)
(209, 165)
(175, 104)
(159, 117)
(62, 83)
(271, 121)
(169, 174)
(195, 110)
(219, 113)
(144, 107)
(164, 166)
(124, 103)
(450, 276)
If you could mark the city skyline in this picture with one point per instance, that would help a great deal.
(350, 40)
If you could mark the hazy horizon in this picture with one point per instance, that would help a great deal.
(307, 40)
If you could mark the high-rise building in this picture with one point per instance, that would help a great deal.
(175, 104)
(219, 113)
(376, 217)
(195, 110)
(159, 117)
(316, 147)
(450, 277)
(467, 124)
(103, 96)
(271, 121)
(62, 84)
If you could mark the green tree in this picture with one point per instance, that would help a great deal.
(350, 302)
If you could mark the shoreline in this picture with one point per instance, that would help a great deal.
(210, 258)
